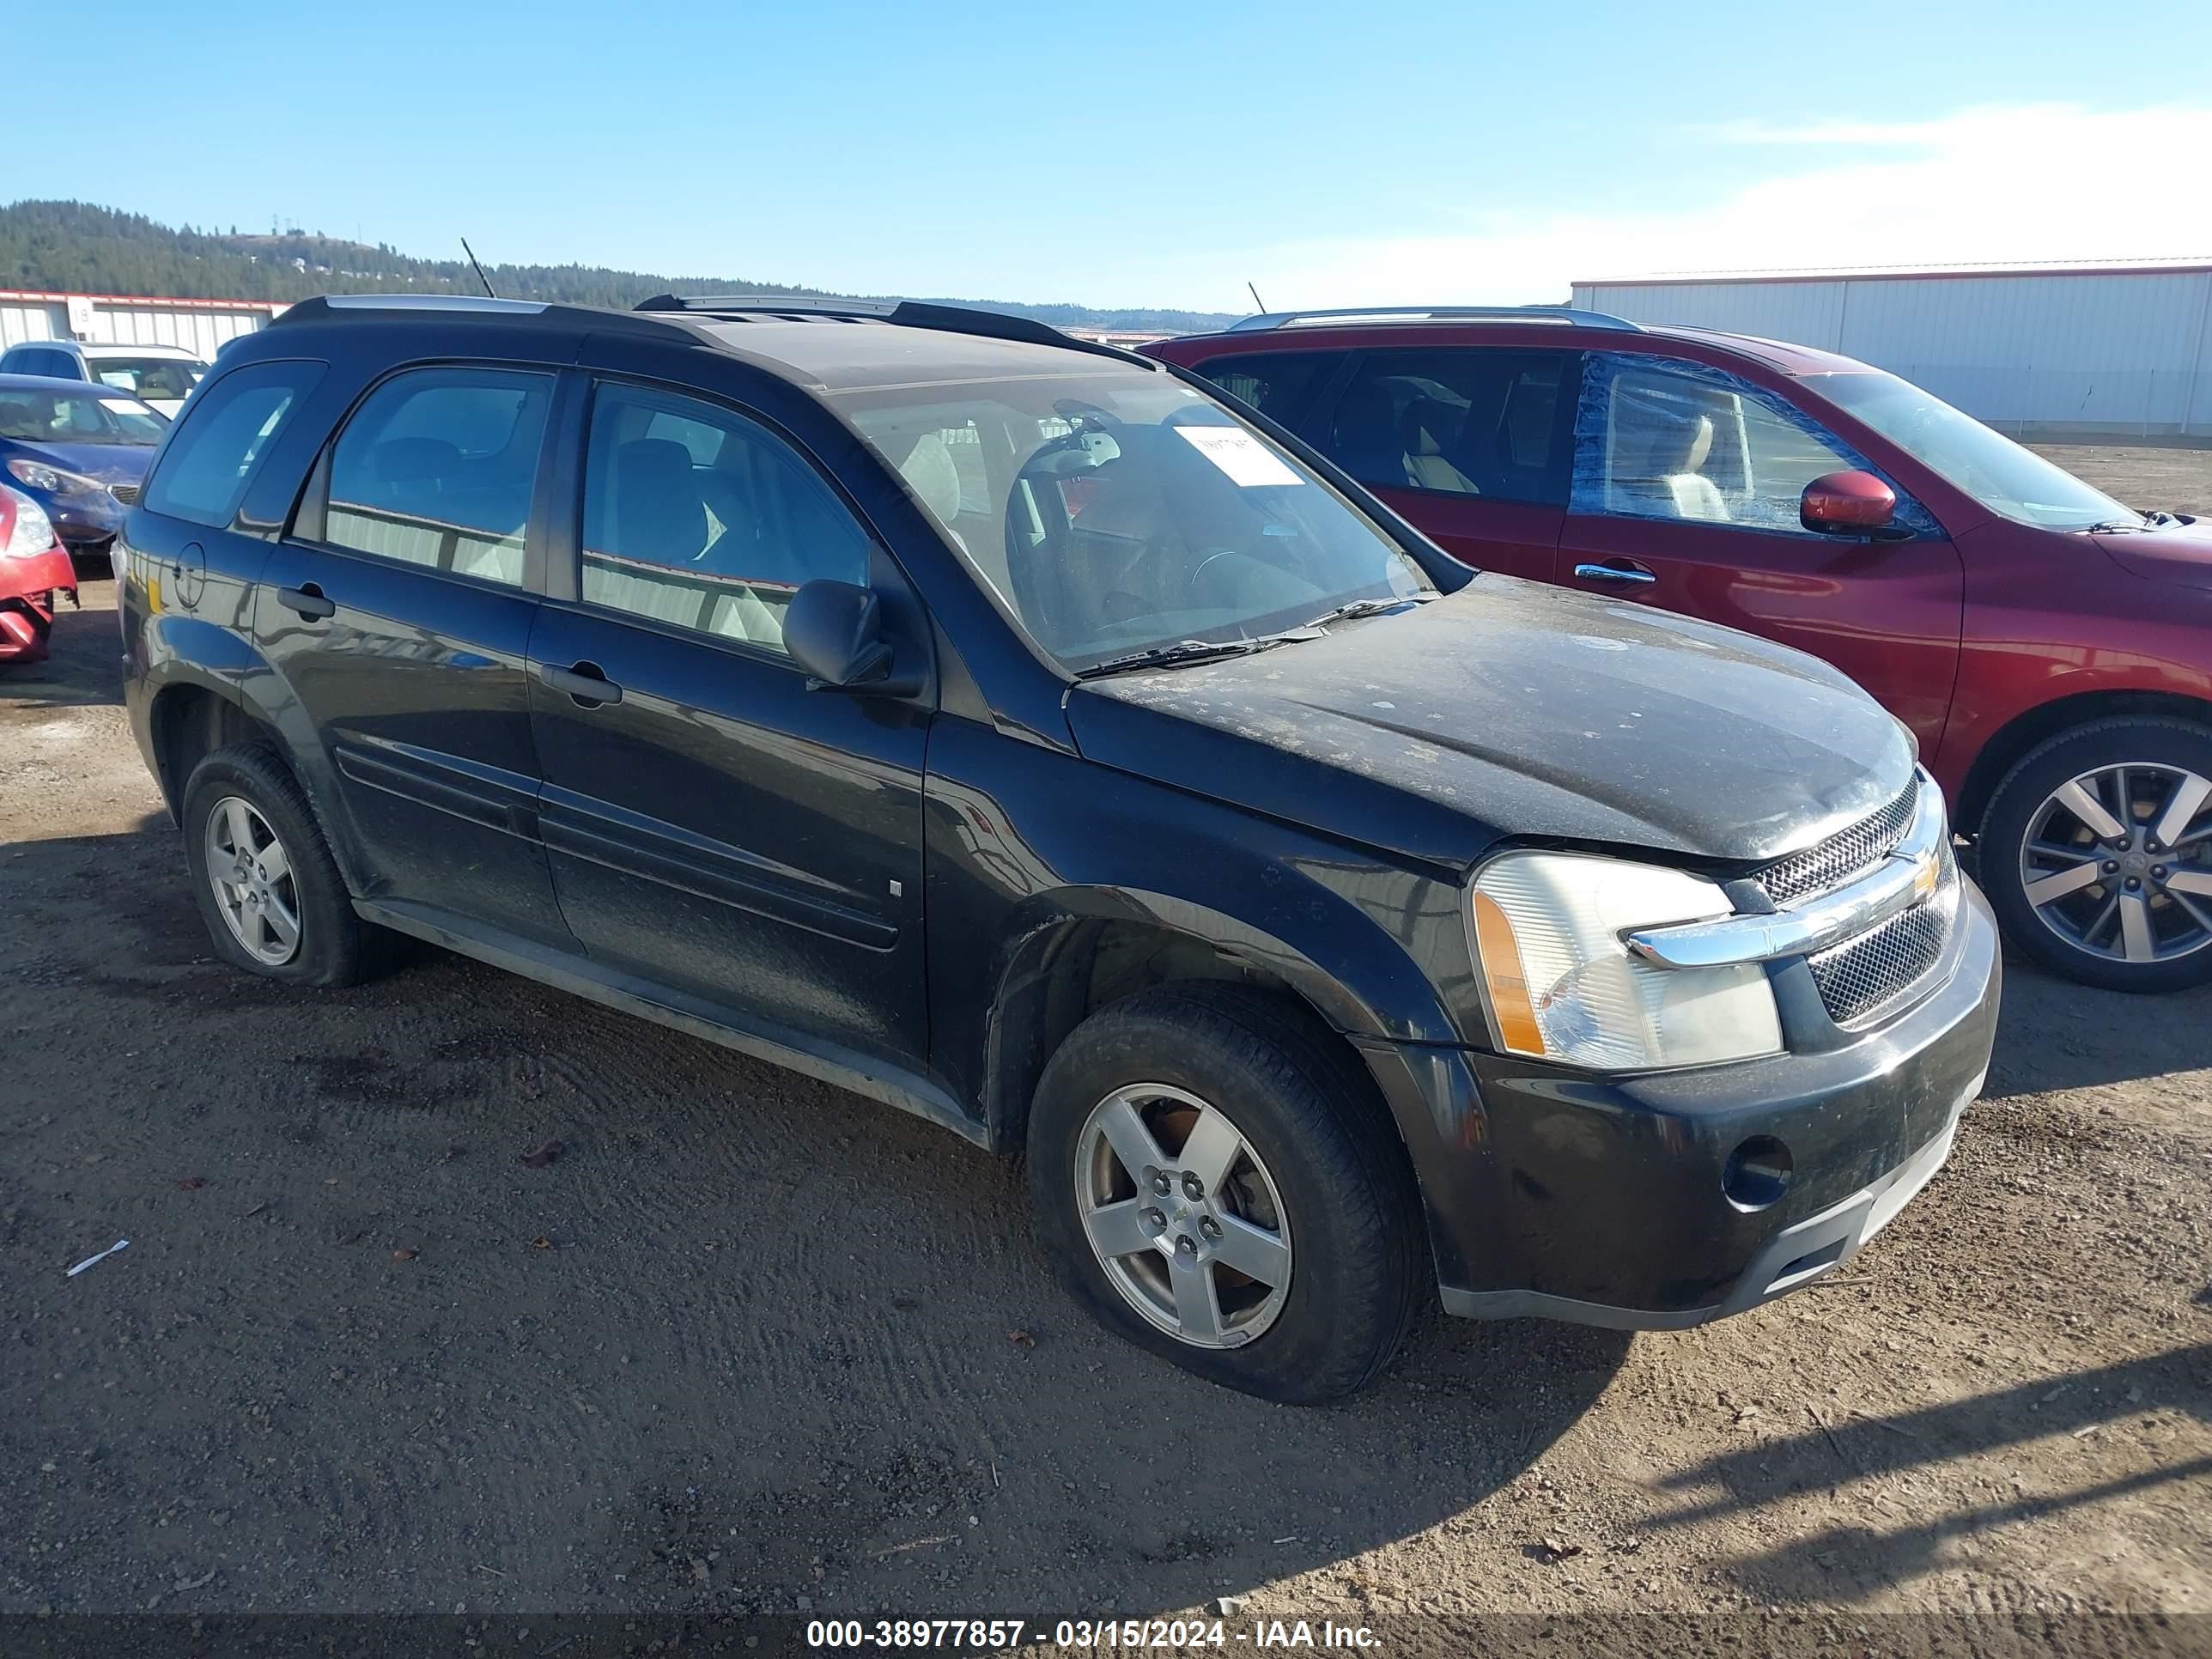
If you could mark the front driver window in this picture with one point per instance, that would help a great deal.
(695, 516)
(1661, 439)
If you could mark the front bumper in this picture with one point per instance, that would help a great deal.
(85, 524)
(1555, 1193)
(28, 587)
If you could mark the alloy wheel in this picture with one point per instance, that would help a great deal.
(1182, 1215)
(2117, 862)
(254, 887)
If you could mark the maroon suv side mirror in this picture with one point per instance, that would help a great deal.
(1847, 503)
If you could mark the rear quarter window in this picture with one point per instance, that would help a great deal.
(225, 431)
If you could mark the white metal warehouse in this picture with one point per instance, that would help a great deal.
(2115, 350)
(197, 325)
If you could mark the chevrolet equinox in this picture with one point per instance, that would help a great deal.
(1008, 728)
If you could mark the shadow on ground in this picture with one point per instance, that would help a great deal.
(82, 664)
(743, 1339)
(1851, 1560)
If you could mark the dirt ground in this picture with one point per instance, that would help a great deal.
(750, 1343)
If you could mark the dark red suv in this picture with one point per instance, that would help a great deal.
(2050, 649)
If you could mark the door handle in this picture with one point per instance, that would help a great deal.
(308, 600)
(1627, 570)
(586, 683)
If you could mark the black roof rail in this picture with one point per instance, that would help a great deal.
(1574, 316)
(326, 306)
(903, 314)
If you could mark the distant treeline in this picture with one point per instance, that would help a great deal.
(77, 247)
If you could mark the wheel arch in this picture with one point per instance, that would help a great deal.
(2032, 727)
(189, 718)
(1064, 962)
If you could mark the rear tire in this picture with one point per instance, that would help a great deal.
(1317, 1191)
(2082, 817)
(260, 868)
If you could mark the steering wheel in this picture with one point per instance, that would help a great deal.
(1190, 584)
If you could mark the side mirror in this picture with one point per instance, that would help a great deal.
(834, 631)
(1847, 503)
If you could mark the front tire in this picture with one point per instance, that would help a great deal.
(2096, 854)
(1215, 1181)
(267, 886)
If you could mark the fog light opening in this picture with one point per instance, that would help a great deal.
(1757, 1173)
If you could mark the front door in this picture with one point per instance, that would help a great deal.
(399, 612)
(1687, 482)
(1471, 444)
(715, 827)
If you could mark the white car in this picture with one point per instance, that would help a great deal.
(160, 375)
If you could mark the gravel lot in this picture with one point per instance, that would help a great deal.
(748, 1340)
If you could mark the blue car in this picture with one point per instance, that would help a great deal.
(66, 444)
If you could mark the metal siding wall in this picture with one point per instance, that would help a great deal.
(198, 329)
(1805, 314)
(32, 319)
(2117, 352)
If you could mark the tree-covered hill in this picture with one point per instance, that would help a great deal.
(77, 247)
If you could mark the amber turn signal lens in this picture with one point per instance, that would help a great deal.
(1502, 972)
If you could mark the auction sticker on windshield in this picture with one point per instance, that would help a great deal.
(1246, 461)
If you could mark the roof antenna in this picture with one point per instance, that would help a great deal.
(1256, 300)
(481, 277)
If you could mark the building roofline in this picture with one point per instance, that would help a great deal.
(1901, 274)
(48, 297)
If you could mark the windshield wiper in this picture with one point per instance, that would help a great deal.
(2115, 527)
(1359, 608)
(1190, 651)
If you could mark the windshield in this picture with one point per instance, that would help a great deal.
(167, 378)
(76, 417)
(2012, 481)
(1116, 511)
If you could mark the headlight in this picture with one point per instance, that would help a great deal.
(32, 532)
(52, 479)
(1547, 933)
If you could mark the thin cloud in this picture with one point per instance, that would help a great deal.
(2028, 185)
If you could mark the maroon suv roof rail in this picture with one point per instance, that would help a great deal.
(1572, 316)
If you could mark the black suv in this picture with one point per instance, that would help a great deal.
(1003, 726)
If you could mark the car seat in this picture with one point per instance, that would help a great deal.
(1424, 457)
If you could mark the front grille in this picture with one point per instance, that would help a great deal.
(1840, 857)
(126, 494)
(1861, 977)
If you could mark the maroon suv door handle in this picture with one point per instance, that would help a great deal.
(1626, 571)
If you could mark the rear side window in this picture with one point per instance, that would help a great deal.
(438, 468)
(1280, 385)
(41, 359)
(224, 435)
(1460, 422)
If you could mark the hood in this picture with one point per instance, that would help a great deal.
(108, 463)
(1513, 709)
(2173, 553)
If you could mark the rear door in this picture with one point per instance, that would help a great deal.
(715, 827)
(1471, 444)
(398, 611)
(1688, 481)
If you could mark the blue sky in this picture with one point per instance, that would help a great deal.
(1161, 153)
